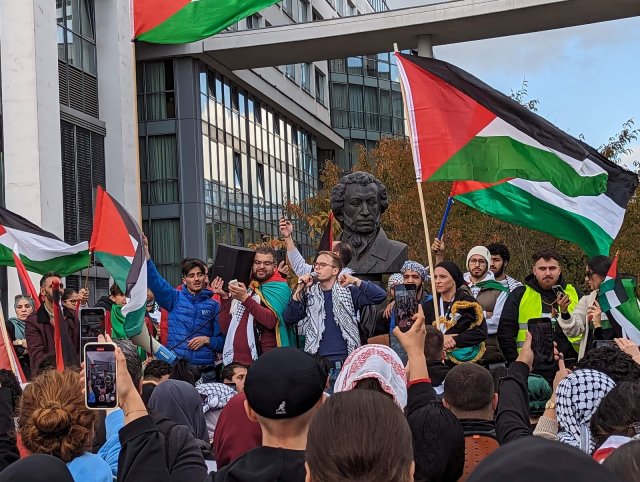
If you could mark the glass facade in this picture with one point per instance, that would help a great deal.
(365, 103)
(254, 160)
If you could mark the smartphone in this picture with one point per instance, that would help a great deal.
(406, 306)
(100, 376)
(541, 339)
(557, 290)
(599, 343)
(233, 282)
(91, 325)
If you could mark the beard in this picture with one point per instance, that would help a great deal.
(262, 277)
(499, 272)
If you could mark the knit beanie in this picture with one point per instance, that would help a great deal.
(482, 251)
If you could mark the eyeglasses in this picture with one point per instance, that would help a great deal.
(195, 275)
(322, 265)
(266, 264)
(590, 274)
(479, 262)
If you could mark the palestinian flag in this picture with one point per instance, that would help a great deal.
(617, 298)
(117, 243)
(40, 251)
(184, 21)
(462, 129)
(26, 286)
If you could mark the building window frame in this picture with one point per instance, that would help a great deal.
(320, 81)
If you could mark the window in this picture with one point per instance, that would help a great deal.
(354, 65)
(339, 105)
(260, 176)
(156, 99)
(321, 82)
(356, 106)
(306, 77)
(233, 27)
(237, 170)
(315, 15)
(351, 9)
(338, 66)
(159, 169)
(303, 11)
(287, 6)
(254, 21)
(370, 65)
(164, 242)
(290, 71)
(340, 7)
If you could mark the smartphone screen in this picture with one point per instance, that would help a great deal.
(406, 306)
(541, 339)
(91, 325)
(100, 375)
(599, 343)
(557, 290)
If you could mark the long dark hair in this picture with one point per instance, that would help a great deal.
(599, 265)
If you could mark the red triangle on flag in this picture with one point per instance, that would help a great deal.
(109, 231)
(463, 187)
(447, 119)
(148, 14)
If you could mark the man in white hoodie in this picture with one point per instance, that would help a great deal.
(491, 295)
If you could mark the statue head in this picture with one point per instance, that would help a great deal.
(358, 201)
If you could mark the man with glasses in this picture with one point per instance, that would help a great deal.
(251, 316)
(491, 295)
(193, 330)
(325, 307)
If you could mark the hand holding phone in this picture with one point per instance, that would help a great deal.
(406, 305)
(100, 376)
(541, 339)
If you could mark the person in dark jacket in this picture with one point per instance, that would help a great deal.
(39, 330)
(461, 318)
(537, 299)
(438, 440)
(8, 447)
(284, 389)
(37, 468)
(194, 332)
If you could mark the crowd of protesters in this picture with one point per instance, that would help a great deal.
(279, 380)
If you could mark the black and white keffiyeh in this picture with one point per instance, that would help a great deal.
(577, 398)
(214, 395)
(237, 310)
(312, 326)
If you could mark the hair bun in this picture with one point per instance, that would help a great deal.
(51, 418)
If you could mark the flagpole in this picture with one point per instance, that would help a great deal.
(447, 209)
(425, 224)
(10, 350)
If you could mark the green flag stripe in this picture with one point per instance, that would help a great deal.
(514, 205)
(200, 19)
(117, 266)
(64, 265)
(491, 159)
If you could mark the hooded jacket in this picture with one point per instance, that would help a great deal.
(508, 327)
(190, 315)
(265, 464)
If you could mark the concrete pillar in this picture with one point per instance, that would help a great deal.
(31, 117)
(117, 97)
(425, 46)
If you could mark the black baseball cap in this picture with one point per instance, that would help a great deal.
(284, 383)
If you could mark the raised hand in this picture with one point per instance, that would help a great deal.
(216, 287)
(286, 228)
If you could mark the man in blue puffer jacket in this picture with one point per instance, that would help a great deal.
(194, 333)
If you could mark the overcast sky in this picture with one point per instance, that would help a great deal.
(587, 78)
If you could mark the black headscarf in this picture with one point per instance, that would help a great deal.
(37, 468)
(454, 271)
(180, 402)
(531, 459)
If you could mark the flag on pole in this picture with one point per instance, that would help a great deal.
(618, 299)
(184, 21)
(326, 242)
(511, 164)
(462, 129)
(40, 251)
(117, 242)
(26, 286)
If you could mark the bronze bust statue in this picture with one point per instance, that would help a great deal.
(357, 202)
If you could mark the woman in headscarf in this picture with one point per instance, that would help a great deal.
(23, 306)
(461, 319)
(374, 367)
(180, 402)
(577, 398)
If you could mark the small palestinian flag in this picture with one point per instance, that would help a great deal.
(326, 242)
(612, 293)
(618, 300)
(40, 251)
(184, 21)
(26, 286)
(117, 243)
(462, 130)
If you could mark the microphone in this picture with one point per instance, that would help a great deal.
(314, 277)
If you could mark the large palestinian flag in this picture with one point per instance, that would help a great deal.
(526, 170)
(40, 251)
(184, 21)
(116, 242)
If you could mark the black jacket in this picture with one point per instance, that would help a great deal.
(265, 464)
(466, 337)
(437, 372)
(508, 327)
(476, 426)
(512, 418)
(8, 447)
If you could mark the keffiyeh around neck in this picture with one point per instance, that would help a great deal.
(578, 397)
(379, 362)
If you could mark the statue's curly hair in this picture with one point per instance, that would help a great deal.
(363, 179)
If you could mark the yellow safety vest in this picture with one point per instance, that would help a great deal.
(531, 307)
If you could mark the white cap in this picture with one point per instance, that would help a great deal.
(482, 251)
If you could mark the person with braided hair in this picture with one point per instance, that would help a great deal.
(53, 420)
